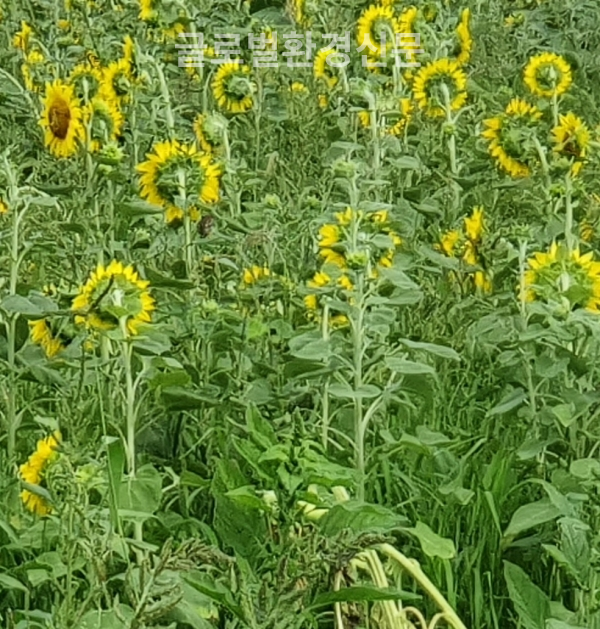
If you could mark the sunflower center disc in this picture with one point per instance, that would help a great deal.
(59, 116)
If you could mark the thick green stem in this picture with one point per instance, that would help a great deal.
(359, 427)
(569, 212)
(325, 393)
(129, 400)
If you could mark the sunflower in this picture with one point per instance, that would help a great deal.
(464, 38)
(547, 74)
(448, 243)
(393, 123)
(322, 71)
(427, 87)
(559, 273)
(206, 133)
(41, 334)
(169, 163)
(3, 208)
(372, 22)
(407, 23)
(104, 120)
(147, 11)
(466, 245)
(22, 37)
(509, 136)
(33, 60)
(232, 88)
(111, 293)
(61, 119)
(116, 82)
(34, 470)
(254, 274)
(571, 138)
(92, 76)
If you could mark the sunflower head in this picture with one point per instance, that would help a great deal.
(34, 470)
(61, 119)
(255, 274)
(105, 122)
(210, 130)
(560, 275)
(87, 79)
(117, 80)
(547, 75)
(42, 334)
(233, 88)
(324, 72)
(571, 138)
(377, 28)
(440, 85)
(173, 171)
(22, 37)
(465, 40)
(113, 294)
(511, 137)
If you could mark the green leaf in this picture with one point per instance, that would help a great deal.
(408, 367)
(531, 604)
(439, 350)
(181, 399)
(586, 469)
(116, 461)
(259, 428)
(360, 593)
(530, 515)
(142, 493)
(359, 517)
(10, 583)
(20, 305)
(158, 280)
(432, 544)
(246, 497)
(512, 400)
(564, 413)
(344, 391)
(106, 619)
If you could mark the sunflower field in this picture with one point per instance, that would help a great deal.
(299, 314)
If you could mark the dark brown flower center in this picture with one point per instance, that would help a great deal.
(59, 116)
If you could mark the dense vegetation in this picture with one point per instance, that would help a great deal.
(299, 346)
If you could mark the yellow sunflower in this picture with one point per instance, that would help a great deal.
(104, 120)
(254, 274)
(377, 26)
(116, 81)
(466, 245)
(322, 71)
(91, 75)
(34, 470)
(232, 88)
(169, 163)
(205, 132)
(508, 134)
(392, 123)
(41, 334)
(147, 11)
(559, 273)
(407, 23)
(22, 37)
(111, 293)
(426, 87)
(61, 119)
(571, 138)
(29, 69)
(547, 74)
(464, 38)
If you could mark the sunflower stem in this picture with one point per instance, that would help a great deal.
(325, 393)
(164, 91)
(569, 212)
(129, 399)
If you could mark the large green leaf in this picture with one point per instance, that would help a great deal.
(530, 602)
(432, 544)
(530, 515)
(360, 593)
(142, 493)
(360, 517)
